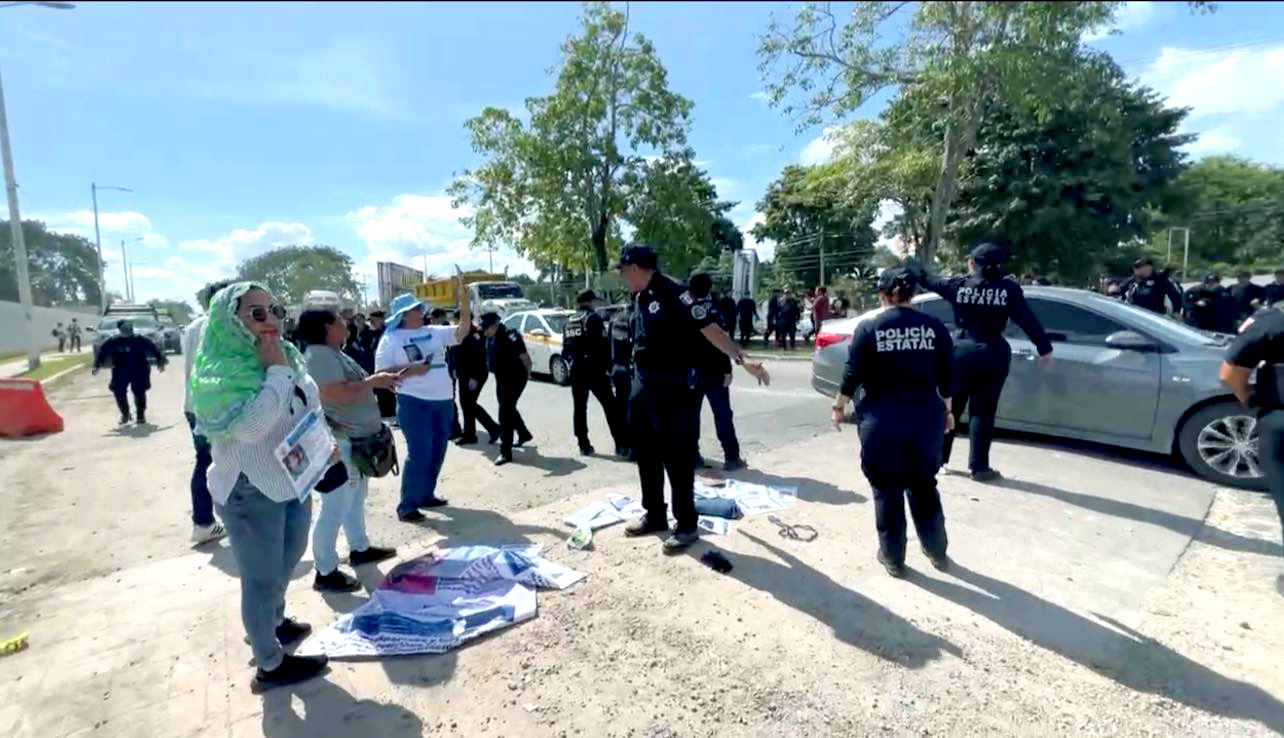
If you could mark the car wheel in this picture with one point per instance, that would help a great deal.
(561, 372)
(1220, 442)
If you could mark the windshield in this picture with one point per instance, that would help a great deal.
(499, 291)
(141, 322)
(555, 322)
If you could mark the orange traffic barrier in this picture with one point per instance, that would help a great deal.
(24, 411)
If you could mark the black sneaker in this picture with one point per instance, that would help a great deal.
(124, 418)
(587, 450)
(494, 439)
(522, 440)
(680, 541)
(411, 517)
(142, 419)
(735, 464)
(465, 440)
(291, 631)
(504, 459)
(435, 502)
(940, 561)
(894, 568)
(335, 581)
(644, 525)
(293, 669)
(371, 555)
(986, 475)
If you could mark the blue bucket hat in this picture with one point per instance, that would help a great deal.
(402, 304)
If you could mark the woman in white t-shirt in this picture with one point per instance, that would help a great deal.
(425, 396)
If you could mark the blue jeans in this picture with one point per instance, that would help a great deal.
(426, 425)
(268, 539)
(344, 506)
(202, 505)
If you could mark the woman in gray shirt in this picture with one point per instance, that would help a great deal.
(352, 411)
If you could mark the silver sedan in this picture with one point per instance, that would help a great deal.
(1123, 376)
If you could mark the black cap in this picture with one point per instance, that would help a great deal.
(988, 253)
(586, 296)
(489, 319)
(1211, 277)
(378, 314)
(896, 276)
(642, 256)
(1143, 261)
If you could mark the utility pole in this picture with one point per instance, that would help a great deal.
(98, 241)
(124, 268)
(19, 245)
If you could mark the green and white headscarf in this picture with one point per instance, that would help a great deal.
(226, 371)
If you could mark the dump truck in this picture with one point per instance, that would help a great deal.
(486, 293)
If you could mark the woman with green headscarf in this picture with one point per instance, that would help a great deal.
(249, 390)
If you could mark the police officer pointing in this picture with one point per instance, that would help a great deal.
(983, 302)
(1260, 346)
(904, 361)
(668, 325)
(585, 342)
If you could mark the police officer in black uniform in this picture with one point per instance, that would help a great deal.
(983, 302)
(1260, 346)
(584, 340)
(668, 326)
(904, 360)
(713, 380)
(506, 355)
(1245, 296)
(1209, 306)
(127, 354)
(1148, 288)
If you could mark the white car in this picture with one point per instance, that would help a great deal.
(542, 332)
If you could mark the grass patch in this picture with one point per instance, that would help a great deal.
(50, 367)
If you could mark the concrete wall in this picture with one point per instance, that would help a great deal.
(13, 337)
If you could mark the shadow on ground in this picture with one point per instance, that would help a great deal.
(811, 490)
(1117, 652)
(1177, 523)
(855, 619)
(329, 710)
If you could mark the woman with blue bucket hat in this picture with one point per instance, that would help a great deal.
(425, 397)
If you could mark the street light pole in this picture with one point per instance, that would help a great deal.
(98, 241)
(19, 245)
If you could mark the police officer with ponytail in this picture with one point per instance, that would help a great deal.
(983, 303)
(904, 361)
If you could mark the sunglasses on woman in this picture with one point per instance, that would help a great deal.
(259, 314)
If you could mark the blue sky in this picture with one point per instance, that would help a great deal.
(245, 126)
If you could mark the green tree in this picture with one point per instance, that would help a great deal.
(1069, 184)
(804, 213)
(673, 206)
(1235, 211)
(554, 188)
(965, 54)
(290, 272)
(62, 268)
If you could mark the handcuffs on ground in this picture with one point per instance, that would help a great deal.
(804, 533)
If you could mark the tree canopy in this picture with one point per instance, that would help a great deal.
(556, 188)
(290, 272)
(62, 268)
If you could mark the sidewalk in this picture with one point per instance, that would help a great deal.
(12, 367)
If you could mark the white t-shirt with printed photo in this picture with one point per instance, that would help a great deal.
(414, 345)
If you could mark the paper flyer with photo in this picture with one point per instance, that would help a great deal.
(305, 453)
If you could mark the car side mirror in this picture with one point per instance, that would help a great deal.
(1130, 341)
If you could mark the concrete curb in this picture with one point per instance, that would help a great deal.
(53, 381)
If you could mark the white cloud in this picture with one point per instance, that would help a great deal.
(1216, 141)
(1234, 81)
(1130, 17)
(113, 227)
(243, 244)
(821, 148)
(760, 95)
(766, 248)
(346, 75)
(424, 230)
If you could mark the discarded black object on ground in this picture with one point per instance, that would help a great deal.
(716, 561)
(804, 533)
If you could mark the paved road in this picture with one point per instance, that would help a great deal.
(1146, 592)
